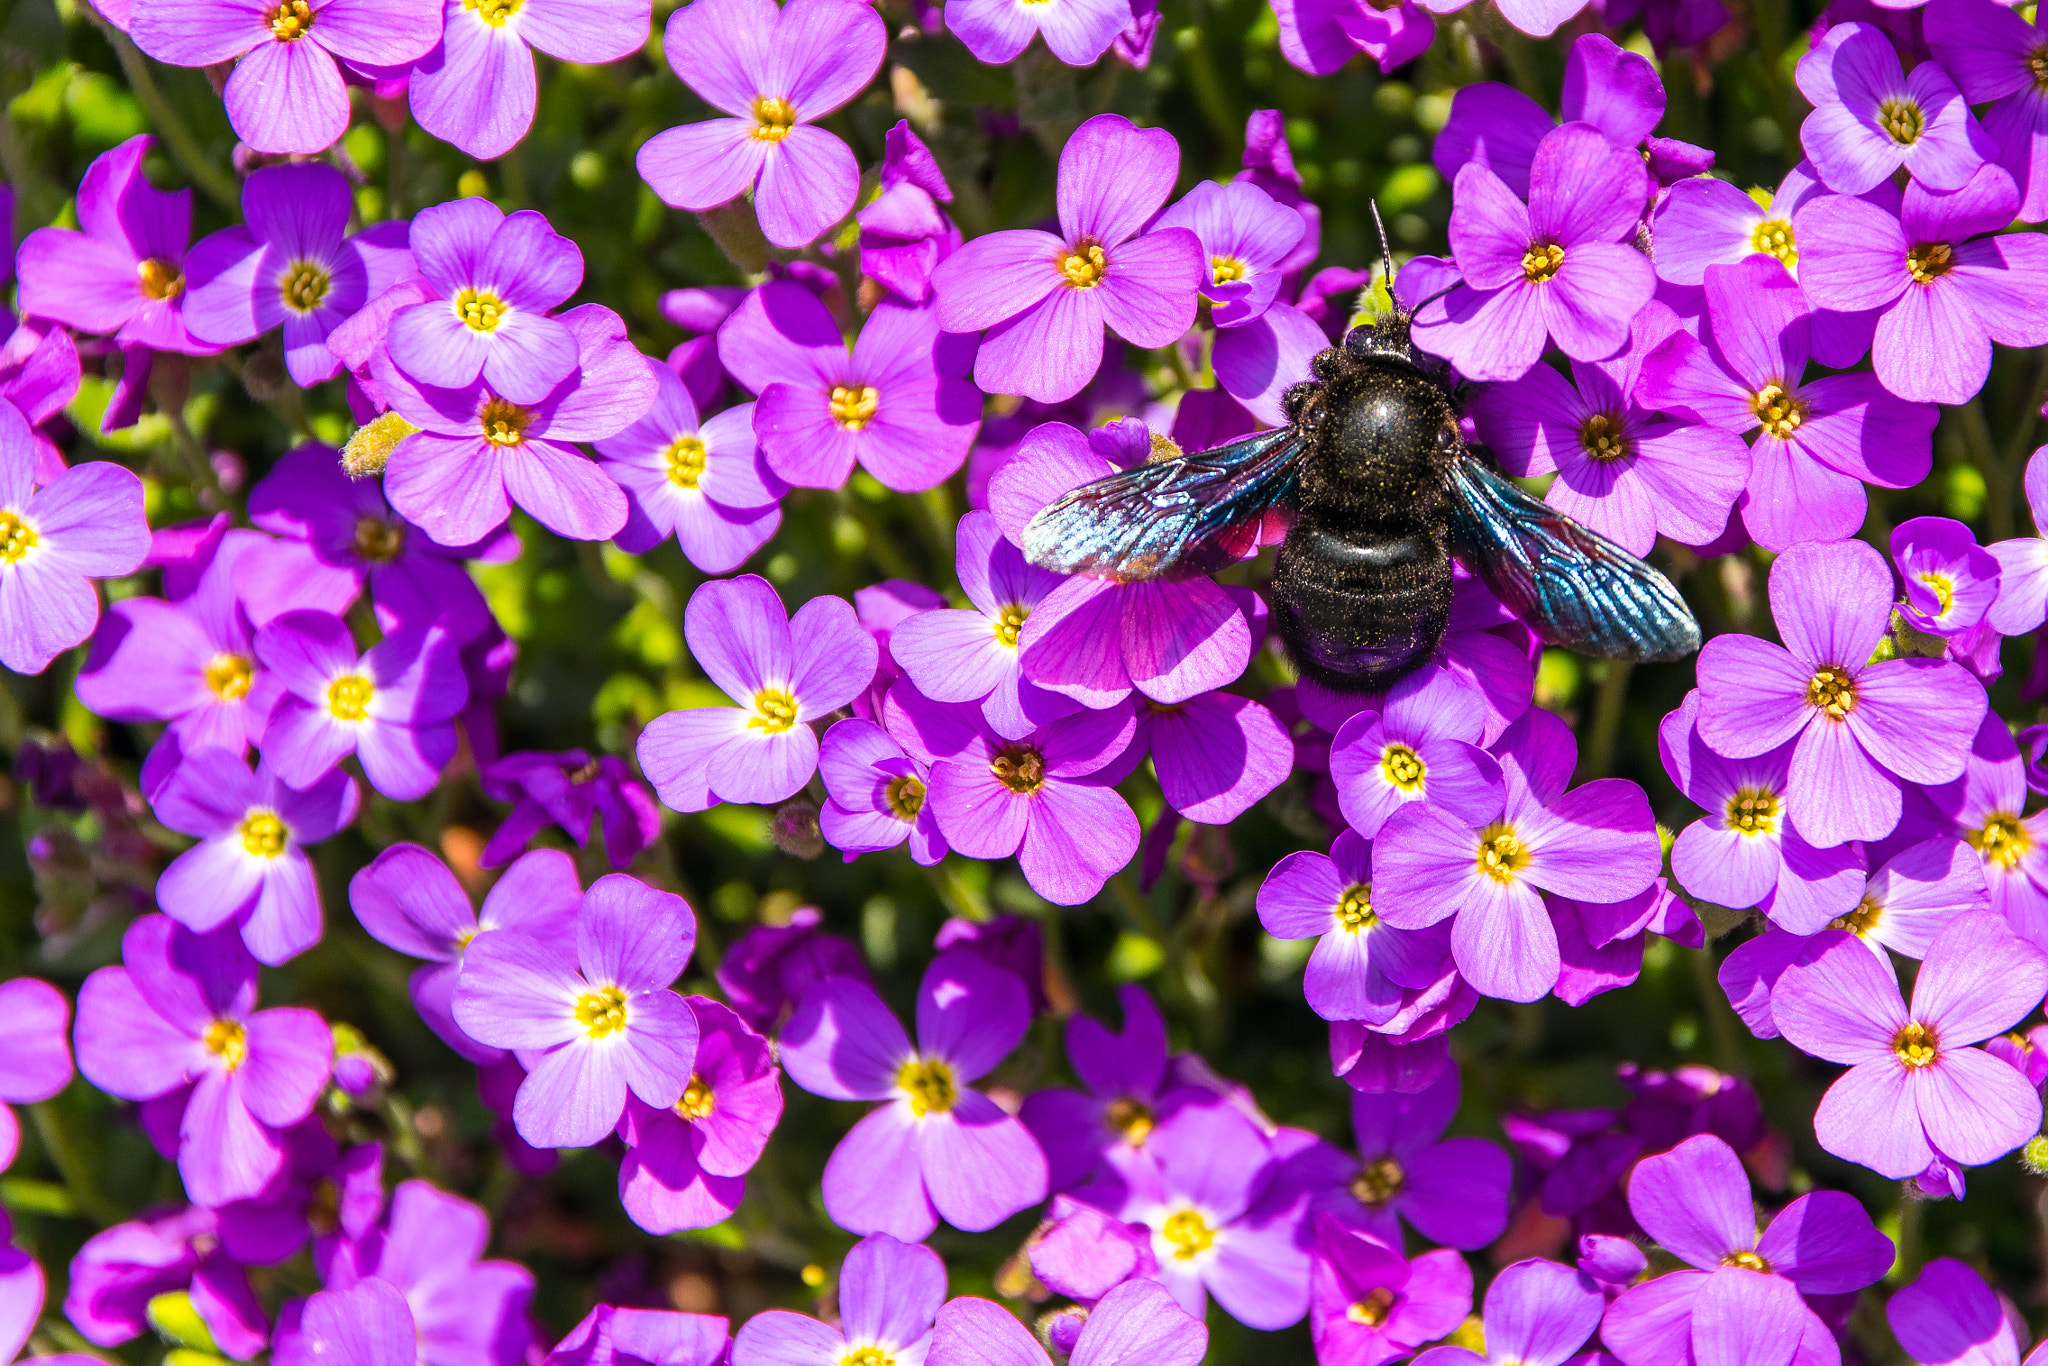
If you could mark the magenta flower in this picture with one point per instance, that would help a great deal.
(1817, 447)
(1216, 755)
(1870, 117)
(249, 867)
(701, 480)
(1421, 746)
(39, 374)
(1860, 728)
(1319, 36)
(876, 794)
(294, 265)
(1951, 582)
(1947, 281)
(1135, 1321)
(1045, 298)
(178, 1021)
(1360, 965)
(1537, 1313)
(686, 1166)
(770, 967)
(323, 1194)
(477, 90)
(597, 1021)
(121, 1269)
(286, 93)
(1368, 1304)
(1247, 237)
(1695, 1202)
(782, 673)
(1915, 1090)
(2022, 601)
(936, 1148)
(497, 277)
(900, 404)
(889, 1293)
(1077, 31)
(568, 789)
(408, 900)
(368, 1324)
(1987, 807)
(392, 706)
(1949, 1317)
(1128, 1081)
(38, 1065)
(904, 234)
(973, 655)
(1989, 50)
(803, 178)
(1562, 267)
(610, 1336)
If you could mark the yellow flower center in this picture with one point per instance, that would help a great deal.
(686, 458)
(1403, 767)
(1929, 261)
(323, 1206)
(1778, 409)
(2003, 840)
(1943, 588)
(348, 697)
(1748, 1261)
(1753, 811)
(1379, 1181)
(1773, 237)
(1600, 436)
(1861, 921)
(263, 834)
(494, 12)
(1502, 855)
(228, 676)
(1132, 1118)
(774, 711)
(304, 286)
(159, 278)
(1354, 908)
(773, 118)
(867, 1356)
(1010, 622)
(379, 541)
(290, 20)
(930, 1085)
(1540, 263)
(1188, 1232)
(1084, 266)
(905, 796)
(2037, 64)
(698, 1101)
(854, 405)
(480, 312)
(17, 537)
(1019, 767)
(1832, 691)
(1916, 1046)
(603, 1011)
(228, 1041)
(503, 422)
(1372, 1310)
(1224, 269)
(1902, 121)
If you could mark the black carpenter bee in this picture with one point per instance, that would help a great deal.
(1378, 490)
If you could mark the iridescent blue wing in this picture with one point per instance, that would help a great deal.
(1572, 585)
(1175, 519)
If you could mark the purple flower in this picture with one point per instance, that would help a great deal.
(1421, 746)
(1319, 36)
(1369, 1305)
(392, 706)
(1078, 33)
(567, 789)
(2022, 601)
(368, 1324)
(124, 272)
(1818, 444)
(1745, 1288)
(1947, 282)
(610, 1336)
(1247, 236)
(1990, 51)
(889, 1293)
(1128, 1084)
(597, 1021)
(1915, 1090)
(904, 234)
(686, 1166)
(1360, 964)
(1951, 582)
(37, 1064)
(249, 867)
(1987, 806)
(480, 452)
(286, 93)
(1858, 729)
(294, 265)
(1537, 1313)
(770, 967)
(1628, 472)
(1870, 117)
(1135, 1321)
(936, 1148)
(775, 73)
(701, 480)
(782, 672)
(177, 1021)
(39, 374)
(477, 89)
(408, 900)
(1215, 755)
(1561, 267)
(1269, 164)
(876, 794)
(900, 404)
(322, 1193)
(121, 1269)
(1045, 298)
(1949, 1317)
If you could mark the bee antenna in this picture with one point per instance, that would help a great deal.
(1386, 255)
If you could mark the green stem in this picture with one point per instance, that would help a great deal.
(71, 1164)
(394, 175)
(1721, 1021)
(179, 141)
(1907, 1267)
(1607, 713)
(1984, 455)
(1133, 906)
(959, 898)
(1209, 93)
(400, 1122)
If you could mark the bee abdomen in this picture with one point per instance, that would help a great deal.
(1360, 610)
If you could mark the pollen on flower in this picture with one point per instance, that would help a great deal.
(1832, 690)
(1929, 261)
(905, 796)
(1009, 623)
(1747, 1260)
(323, 1206)
(1773, 237)
(1132, 1118)
(494, 12)
(17, 537)
(1354, 908)
(1019, 767)
(698, 1100)
(855, 405)
(1224, 269)
(870, 1356)
(303, 285)
(1502, 855)
(1161, 448)
(930, 1085)
(159, 278)
(1188, 1233)
(348, 697)
(1779, 410)
(263, 834)
(1402, 767)
(1600, 437)
(1541, 262)
(290, 20)
(1084, 266)
(602, 1012)
(774, 711)
(686, 459)
(2002, 840)
(379, 540)
(773, 118)
(1753, 811)
(479, 311)
(1372, 1310)
(1861, 921)
(2037, 66)
(229, 675)
(228, 1041)
(503, 422)
(369, 449)
(1902, 121)
(1379, 1181)
(1916, 1045)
